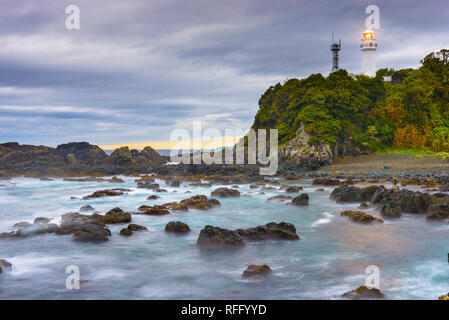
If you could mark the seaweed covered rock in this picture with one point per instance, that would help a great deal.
(213, 236)
(438, 211)
(359, 216)
(353, 194)
(364, 292)
(225, 192)
(177, 227)
(116, 215)
(254, 270)
(272, 230)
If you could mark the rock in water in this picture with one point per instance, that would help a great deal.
(301, 200)
(364, 292)
(212, 236)
(354, 194)
(257, 270)
(107, 193)
(225, 192)
(279, 198)
(177, 226)
(272, 230)
(126, 232)
(136, 227)
(359, 216)
(293, 189)
(391, 209)
(438, 211)
(116, 215)
(86, 208)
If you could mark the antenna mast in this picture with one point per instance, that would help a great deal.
(335, 48)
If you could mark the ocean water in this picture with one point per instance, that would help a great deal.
(330, 259)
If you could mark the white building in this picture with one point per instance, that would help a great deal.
(368, 47)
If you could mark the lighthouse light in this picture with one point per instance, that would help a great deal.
(368, 35)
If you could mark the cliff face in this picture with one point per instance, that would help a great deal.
(74, 158)
(301, 153)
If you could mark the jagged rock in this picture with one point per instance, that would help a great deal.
(176, 206)
(83, 227)
(354, 194)
(116, 215)
(438, 211)
(364, 292)
(359, 216)
(107, 193)
(272, 230)
(279, 198)
(87, 208)
(256, 270)
(213, 236)
(301, 200)
(161, 190)
(293, 189)
(153, 197)
(177, 226)
(300, 152)
(225, 192)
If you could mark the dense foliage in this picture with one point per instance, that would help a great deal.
(410, 112)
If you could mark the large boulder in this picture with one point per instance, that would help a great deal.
(156, 210)
(213, 236)
(354, 194)
(225, 192)
(84, 152)
(279, 198)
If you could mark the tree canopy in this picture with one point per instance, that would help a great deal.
(410, 112)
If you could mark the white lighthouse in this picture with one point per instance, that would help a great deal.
(368, 47)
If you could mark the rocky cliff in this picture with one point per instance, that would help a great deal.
(299, 152)
(74, 158)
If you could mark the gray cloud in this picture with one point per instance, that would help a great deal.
(138, 69)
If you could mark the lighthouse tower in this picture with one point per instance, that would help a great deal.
(368, 47)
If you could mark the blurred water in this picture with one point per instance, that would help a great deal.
(330, 258)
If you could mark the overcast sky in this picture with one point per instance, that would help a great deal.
(136, 70)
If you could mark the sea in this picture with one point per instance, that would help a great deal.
(333, 255)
